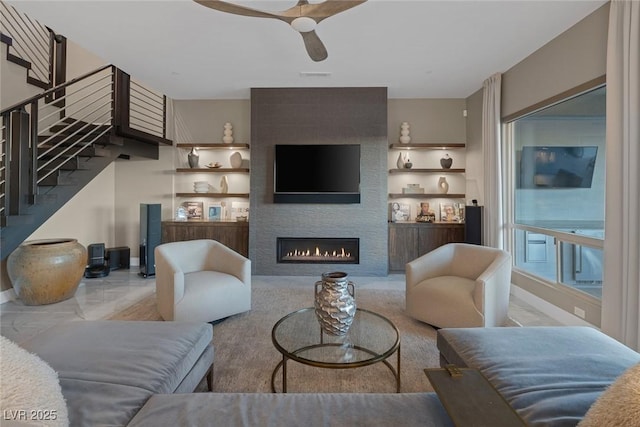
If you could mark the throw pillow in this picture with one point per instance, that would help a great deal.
(30, 393)
(619, 404)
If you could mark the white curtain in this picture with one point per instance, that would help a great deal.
(621, 289)
(492, 149)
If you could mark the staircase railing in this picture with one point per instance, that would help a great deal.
(32, 43)
(39, 138)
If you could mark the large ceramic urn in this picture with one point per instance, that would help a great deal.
(335, 306)
(46, 271)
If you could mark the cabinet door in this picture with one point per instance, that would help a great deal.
(403, 245)
(431, 238)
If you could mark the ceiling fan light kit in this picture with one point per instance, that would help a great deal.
(303, 24)
(303, 17)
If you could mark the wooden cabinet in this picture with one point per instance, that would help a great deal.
(408, 241)
(232, 234)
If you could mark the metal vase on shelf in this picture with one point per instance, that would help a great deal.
(335, 305)
(193, 158)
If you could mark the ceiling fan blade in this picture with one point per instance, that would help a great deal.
(320, 11)
(315, 47)
(237, 9)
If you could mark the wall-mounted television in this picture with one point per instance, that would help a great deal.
(317, 173)
(556, 167)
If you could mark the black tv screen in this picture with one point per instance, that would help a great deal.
(557, 167)
(317, 173)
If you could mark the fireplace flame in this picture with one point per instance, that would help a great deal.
(303, 253)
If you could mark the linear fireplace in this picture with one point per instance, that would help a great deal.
(318, 250)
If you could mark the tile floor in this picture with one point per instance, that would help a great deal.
(100, 298)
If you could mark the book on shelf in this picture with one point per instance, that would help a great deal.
(194, 209)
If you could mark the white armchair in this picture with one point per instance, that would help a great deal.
(201, 280)
(459, 285)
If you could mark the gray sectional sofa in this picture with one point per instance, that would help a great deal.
(142, 374)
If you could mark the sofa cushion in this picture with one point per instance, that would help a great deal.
(293, 410)
(549, 375)
(30, 391)
(108, 369)
(619, 405)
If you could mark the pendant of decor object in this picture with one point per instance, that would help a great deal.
(193, 158)
(224, 184)
(236, 160)
(443, 185)
(404, 133)
(228, 133)
(400, 161)
(446, 161)
(335, 304)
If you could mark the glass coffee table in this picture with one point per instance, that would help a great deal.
(372, 338)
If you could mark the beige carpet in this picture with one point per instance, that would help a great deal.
(245, 356)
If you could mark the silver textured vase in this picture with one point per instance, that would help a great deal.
(335, 305)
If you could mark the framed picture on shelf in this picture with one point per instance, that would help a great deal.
(425, 213)
(451, 212)
(399, 212)
(240, 211)
(215, 211)
(194, 209)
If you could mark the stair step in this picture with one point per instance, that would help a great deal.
(58, 179)
(74, 125)
(90, 151)
(65, 163)
(16, 220)
(66, 140)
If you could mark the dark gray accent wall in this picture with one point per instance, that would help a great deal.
(319, 116)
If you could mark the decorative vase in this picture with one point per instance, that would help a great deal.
(446, 161)
(335, 305)
(404, 133)
(47, 271)
(400, 161)
(443, 185)
(193, 158)
(224, 184)
(408, 164)
(228, 133)
(236, 160)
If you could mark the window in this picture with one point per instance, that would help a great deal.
(556, 174)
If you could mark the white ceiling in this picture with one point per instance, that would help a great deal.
(416, 48)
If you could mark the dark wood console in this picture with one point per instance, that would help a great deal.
(409, 240)
(233, 234)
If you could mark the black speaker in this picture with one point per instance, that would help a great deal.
(150, 237)
(118, 257)
(473, 230)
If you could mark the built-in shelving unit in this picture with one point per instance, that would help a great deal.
(426, 171)
(214, 170)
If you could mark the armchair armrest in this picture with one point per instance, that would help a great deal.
(226, 260)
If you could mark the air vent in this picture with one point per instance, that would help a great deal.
(315, 73)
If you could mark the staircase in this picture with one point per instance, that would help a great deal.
(56, 142)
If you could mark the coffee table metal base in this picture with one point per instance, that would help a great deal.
(283, 364)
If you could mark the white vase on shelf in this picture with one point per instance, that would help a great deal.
(236, 160)
(401, 161)
(224, 184)
(228, 133)
(405, 138)
(443, 185)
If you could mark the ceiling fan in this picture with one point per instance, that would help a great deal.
(303, 17)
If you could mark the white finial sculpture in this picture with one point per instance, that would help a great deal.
(228, 133)
(404, 133)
